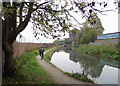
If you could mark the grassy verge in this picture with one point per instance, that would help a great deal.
(49, 54)
(49, 48)
(104, 50)
(30, 72)
(79, 77)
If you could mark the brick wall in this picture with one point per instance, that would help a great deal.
(19, 48)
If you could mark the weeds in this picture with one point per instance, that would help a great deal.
(28, 71)
(79, 77)
(104, 50)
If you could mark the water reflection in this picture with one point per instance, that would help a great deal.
(101, 70)
(63, 62)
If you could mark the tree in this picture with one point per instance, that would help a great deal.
(47, 16)
(89, 37)
(87, 26)
(68, 41)
(90, 31)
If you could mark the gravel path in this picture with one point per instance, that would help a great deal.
(56, 74)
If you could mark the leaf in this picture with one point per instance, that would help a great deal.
(71, 8)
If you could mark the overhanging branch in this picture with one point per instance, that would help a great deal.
(22, 25)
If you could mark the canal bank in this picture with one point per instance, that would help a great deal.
(101, 70)
(56, 74)
(109, 51)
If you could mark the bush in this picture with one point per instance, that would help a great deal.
(89, 37)
(105, 50)
(68, 41)
(79, 77)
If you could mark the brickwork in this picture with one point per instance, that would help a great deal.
(19, 48)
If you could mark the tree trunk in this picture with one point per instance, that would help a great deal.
(8, 69)
(3, 60)
(10, 32)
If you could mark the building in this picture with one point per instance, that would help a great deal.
(72, 37)
(107, 39)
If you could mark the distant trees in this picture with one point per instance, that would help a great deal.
(90, 31)
(87, 26)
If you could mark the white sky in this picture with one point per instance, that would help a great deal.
(109, 22)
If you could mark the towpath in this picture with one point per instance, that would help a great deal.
(58, 76)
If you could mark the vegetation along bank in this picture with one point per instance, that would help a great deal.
(102, 50)
(78, 76)
(28, 71)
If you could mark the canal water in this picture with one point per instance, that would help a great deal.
(100, 70)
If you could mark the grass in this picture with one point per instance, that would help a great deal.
(79, 77)
(103, 50)
(49, 54)
(30, 72)
(47, 58)
(49, 48)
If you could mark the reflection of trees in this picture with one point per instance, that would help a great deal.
(73, 55)
(111, 62)
(91, 65)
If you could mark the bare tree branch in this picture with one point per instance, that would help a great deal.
(40, 5)
(22, 25)
(21, 8)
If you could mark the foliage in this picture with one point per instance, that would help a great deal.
(90, 31)
(49, 54)
(87, 26)
(68, 41)
(30, 72)
(89, 37)
(104, 50)
(48, 18)
(79, 77)
(118, 45)
(21, 61)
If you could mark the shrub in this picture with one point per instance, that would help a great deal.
(105, 50)
(89, 37)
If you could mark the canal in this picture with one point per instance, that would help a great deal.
(100, 70)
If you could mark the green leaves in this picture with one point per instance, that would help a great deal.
(7, 12)
(104, 50)
(71, 8)
(89, 37)
(79, 77)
